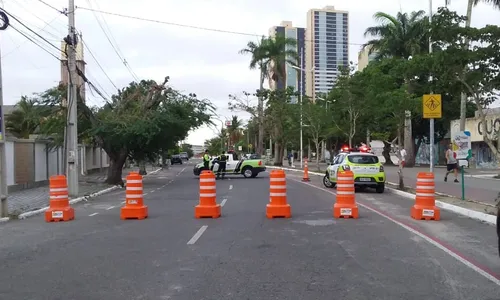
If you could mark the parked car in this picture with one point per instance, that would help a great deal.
(176, 159)
(184, 155)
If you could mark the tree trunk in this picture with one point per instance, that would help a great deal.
(387, 154)
(408, 142)
(116, 162)
(278, 157)
(260, 112)
(316, 143)
(142, 168)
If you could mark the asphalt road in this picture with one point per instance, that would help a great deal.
(242, 255)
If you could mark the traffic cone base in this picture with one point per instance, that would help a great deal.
(278, 211)
(425, 199)
(207, 211)
(306, 179)
(345, 211)
(419, 212)
(59, 208)
(134, 212)
(57, 214)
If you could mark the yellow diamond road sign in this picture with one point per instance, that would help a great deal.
(432, 108)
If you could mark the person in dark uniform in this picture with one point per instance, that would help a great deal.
(222, 165)
(206, 160)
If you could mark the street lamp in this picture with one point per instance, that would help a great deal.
(301, 91)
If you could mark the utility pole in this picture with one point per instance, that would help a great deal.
(301, 89)
(72, 121)
(3, 160)
(431, 121)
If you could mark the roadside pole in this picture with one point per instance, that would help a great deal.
(4, 212)
(72, 122)
(431, 121)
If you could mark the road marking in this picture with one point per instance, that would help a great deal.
(431, 240)
(230, 187)
(111, 207)
(91, 215)
(145, 194)
(197, 235)
(152, 191)
(158, 189)
(223, 202)
(123, 202)
(370, 198)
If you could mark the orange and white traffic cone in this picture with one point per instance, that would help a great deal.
(278, 206)
(306, 171)
(59, 209)
(208, 207)
(134, 199)
(345, 206)
(425, 199)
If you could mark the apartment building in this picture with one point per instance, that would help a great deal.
(365, 57)
(327, 48)
(293, 76)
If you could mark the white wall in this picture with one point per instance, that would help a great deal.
(46, 162)
(9, 152)
(40, 162)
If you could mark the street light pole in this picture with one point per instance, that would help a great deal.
(301, 89)
(431, 121)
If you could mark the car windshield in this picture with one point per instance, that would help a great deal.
(362, 159)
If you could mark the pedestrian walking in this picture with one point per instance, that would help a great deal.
(451, 163)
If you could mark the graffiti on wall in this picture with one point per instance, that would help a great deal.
(423, 156)
(491, 126)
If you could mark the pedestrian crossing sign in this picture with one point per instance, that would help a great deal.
(432, 108)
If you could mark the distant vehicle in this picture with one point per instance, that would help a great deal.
(184, 155)
(176, 159)
(249, 168)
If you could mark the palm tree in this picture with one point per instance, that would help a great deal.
(256, 61)
(26, 118)
(270, 55)
(400, 36)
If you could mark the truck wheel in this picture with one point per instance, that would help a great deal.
(247, 172)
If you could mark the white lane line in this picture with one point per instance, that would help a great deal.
(197, 235)
(230, 187)
(123, 202)
(111, 207)
(152, 191)
(145, 194)
(429, 239)
(223, 202)
(91, 215)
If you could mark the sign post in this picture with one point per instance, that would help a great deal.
(432, 109)
(462, 147)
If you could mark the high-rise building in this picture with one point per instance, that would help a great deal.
(365, 57)
(292, 74)
(327, 48)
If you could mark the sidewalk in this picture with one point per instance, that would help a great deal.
(36, 198)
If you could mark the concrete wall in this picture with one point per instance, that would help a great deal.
(30, 163)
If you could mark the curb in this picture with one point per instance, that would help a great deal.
(73, 201)
(490, 219)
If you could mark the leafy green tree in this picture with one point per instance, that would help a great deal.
(480, 80)
(316, 120)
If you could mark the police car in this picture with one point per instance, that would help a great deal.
(367, 169)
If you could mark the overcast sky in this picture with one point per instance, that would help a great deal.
(200, 61)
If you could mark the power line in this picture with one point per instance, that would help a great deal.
(64, 12)
(98, 64)
(124, 61)
(187, 26)
(80, 73)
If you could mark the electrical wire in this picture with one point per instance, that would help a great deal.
(98, 64)
(33, 41)
(124, 61)
(188, 26)
(64, 12)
